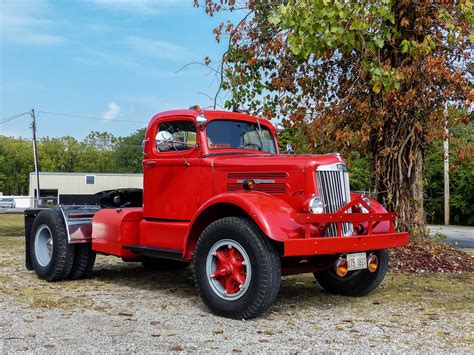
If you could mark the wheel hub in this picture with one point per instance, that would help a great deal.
(43, 245)
(228, 269)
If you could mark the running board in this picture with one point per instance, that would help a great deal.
(172, 254)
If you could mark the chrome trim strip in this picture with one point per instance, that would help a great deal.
(257, 181)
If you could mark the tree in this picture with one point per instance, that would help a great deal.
(128, 154)
(98, 153)
(16, 163)
(375, 75)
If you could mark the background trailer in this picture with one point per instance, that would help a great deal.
(79, 188)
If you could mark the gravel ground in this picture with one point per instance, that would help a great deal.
(123, 308)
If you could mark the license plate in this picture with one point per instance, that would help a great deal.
(356, 261)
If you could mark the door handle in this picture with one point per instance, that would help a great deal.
(149, 163)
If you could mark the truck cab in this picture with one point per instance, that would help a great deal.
(219, 194)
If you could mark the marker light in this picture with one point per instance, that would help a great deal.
(249, 184)
(372, 263)
(316, 205)
(341, 267)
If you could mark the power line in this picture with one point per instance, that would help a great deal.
(90, 117)
(11, 118)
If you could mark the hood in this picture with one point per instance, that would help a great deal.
(274, 161)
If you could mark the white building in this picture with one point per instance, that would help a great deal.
(79, 188)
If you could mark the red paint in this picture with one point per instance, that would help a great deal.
(336, 245)
(113, 228)
(230, 269)
(180, 188)
(163, 234)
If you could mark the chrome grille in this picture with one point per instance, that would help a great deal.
(333, 188)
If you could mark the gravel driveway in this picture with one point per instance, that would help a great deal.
(124, 308)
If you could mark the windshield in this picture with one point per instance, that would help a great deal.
(227, 134)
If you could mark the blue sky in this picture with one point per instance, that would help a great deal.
(113, 59)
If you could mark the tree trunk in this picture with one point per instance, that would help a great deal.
(399, 177)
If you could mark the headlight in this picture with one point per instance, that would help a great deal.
(316, 205)
(362, 208)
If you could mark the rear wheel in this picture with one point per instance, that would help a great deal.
(156, 264)
(52, 256)
(236, 269)
(84, 260)
(355, 283)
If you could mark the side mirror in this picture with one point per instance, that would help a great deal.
(201, 120)
(279, 128)
(163, 140)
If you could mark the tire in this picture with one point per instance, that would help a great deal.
(51, 262)
(226, 296)
(157, 264)
(84, 259)
(356, 283)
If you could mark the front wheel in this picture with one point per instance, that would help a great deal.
(236, 269)
(355, 283)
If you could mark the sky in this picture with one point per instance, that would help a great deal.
(115, 60)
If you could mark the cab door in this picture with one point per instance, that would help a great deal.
(172, 170)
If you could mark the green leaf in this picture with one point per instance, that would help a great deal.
(379, 42)
(274, 19)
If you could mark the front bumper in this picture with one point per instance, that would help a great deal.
(365, 241)
(338, 245)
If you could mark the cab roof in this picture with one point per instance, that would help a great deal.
(211, 115)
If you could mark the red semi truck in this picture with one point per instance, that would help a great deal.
(219, 195)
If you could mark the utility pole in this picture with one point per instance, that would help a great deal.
(35, 156)
(446, 173)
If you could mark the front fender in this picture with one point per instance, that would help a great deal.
(273, 215)
(382, 227)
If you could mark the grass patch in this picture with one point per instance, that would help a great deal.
(11, 225)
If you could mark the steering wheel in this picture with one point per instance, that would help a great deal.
(251, 144)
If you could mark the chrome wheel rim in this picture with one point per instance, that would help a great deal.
(43, 245)
(228, 269)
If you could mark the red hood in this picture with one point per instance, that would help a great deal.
(274, 161)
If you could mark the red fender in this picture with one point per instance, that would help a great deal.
(273, 215)
(382, 227)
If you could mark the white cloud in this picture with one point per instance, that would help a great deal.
(159, 49)
(112, 112)
(28, 22)
(139, 7)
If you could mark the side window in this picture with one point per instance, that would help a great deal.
(175, 135)
(90, 179)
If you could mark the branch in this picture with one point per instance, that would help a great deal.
(234, 31)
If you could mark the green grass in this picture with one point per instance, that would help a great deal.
(11, 225)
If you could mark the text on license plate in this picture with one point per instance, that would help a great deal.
(356, 261)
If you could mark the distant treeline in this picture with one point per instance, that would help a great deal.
(101, 152)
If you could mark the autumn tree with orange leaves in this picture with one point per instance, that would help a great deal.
(372, 75)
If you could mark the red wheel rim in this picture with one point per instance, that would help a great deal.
(228, 269)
